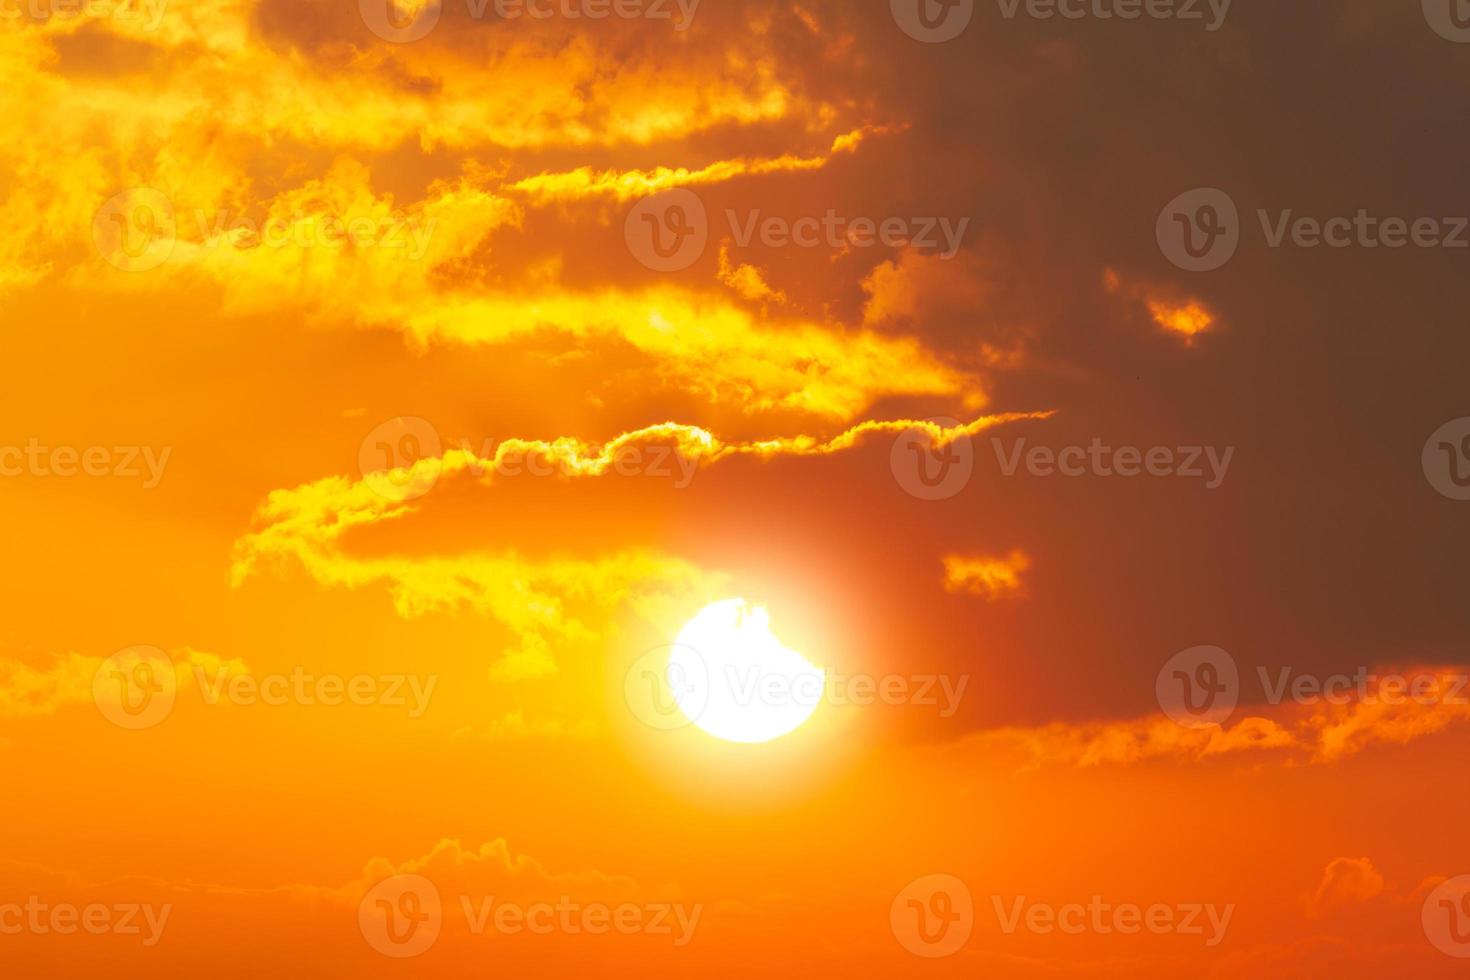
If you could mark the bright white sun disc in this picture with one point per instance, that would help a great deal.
(732, 678)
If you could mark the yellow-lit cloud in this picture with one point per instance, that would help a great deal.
(27, 689)
(538, 601)
(625, 185)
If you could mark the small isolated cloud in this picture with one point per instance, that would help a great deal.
(1175, 313)
(988, 577)
(1346, 882)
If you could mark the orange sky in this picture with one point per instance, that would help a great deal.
(390, 385)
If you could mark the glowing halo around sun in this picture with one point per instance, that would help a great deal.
(732, 678)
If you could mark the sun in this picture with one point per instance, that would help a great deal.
(732, 678)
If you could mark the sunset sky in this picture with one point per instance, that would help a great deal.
(443, 441)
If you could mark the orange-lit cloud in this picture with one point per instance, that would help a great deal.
(1185, 319)
(1345, 882)
(1322, 734)
(990, 578)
